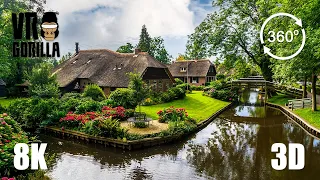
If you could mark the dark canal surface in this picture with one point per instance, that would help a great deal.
(237, 145)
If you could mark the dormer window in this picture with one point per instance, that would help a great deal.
(183, 69)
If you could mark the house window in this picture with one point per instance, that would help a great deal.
(195, 80)
(183, 69)
(211, 69)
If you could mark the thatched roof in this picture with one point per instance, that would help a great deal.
(197, 68)
(2, 83)
(104, 67)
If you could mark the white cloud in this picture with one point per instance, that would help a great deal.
(111, 23)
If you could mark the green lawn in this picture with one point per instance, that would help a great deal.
(5, 102)
(198, 107)
(280, 99)
(312, 117)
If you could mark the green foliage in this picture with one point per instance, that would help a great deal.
(140, 92)
(145, 40)
(95, 92)
(220, 76)
(2, 109)
(232, 30)
(45, 91)
(178, 81)
(217, 85)
(158, 51)
(177, 93)
(105, 127)
(42, 83)
(123, 97)
(225, 95)
(140, 125)
(31, 112)
(197, 88)
(11, 134)
(185, 87)
(128, 48)
(71, 95)
(88, 106)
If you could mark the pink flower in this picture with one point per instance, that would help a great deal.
(62, 128)
(4, 114)
(4, 178)
(3, 123)
(1, 119)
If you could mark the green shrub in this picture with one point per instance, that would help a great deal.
(11, 134)
(105, 127)
(185, 86)
(220, 76)
(217, 85)
(45, 91)
(197, 88)
(71, 95)
(95, 92)
(172, 114)
(2, 109)
(31, 112)
(140, 125)
(88, 106)
(70, 104)
(166, 97)
(178, 81)
(123, 97)
(178, 93)
(225, 95)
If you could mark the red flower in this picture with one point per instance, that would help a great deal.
(7, 141)
(62, 128)
(3, 123)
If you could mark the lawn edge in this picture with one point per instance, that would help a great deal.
(299, 120)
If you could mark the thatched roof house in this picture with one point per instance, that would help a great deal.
(2, 88)
(109, 69)
(198, 72)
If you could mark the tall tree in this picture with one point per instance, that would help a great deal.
(233, 29)
(145, 40)
(158, 51)
(128, 48)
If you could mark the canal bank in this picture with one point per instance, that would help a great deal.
(236, 145)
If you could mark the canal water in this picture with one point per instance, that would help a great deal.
(236, 145)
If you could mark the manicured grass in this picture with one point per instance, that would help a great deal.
(198, 106)
(280, 99)
(312, 117)
(5, 102)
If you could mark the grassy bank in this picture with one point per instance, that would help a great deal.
(198, 106)
(5, 102)
(312, 117)
(280, 99)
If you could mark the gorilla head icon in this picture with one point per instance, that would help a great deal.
(49, 26)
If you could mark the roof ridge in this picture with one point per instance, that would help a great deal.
(105, 50)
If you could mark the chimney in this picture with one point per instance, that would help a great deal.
(137, 51)
(77, 47)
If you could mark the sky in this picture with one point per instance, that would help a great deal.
(108, 24)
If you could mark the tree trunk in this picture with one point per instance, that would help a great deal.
(314, 94)
(266, 69)
(304, 95)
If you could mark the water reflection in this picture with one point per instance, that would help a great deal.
(234, 146)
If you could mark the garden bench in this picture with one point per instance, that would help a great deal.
(139, 117)
(299, 103)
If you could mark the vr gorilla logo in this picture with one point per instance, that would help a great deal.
(49, 31)
(49, 26)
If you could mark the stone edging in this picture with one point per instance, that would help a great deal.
(305, 125)
(134, 144)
